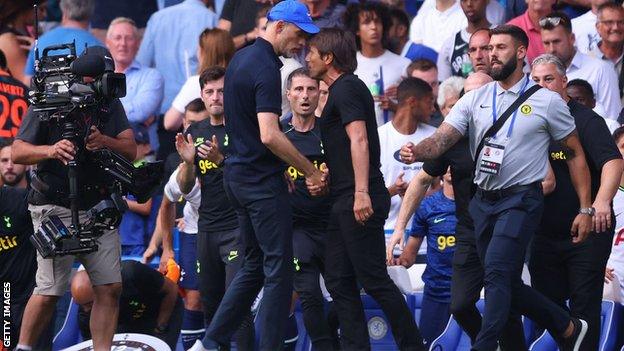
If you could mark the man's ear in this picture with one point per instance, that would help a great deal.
(328, 58)
(279, 26)
(521, 52)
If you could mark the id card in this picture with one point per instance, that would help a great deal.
(492, 157)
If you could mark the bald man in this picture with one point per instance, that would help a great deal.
(149, 303)
(476, 80)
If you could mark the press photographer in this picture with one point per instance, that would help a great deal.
(62, 144)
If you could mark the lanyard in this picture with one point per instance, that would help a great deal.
(513, 117)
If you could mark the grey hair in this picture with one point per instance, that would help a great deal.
(78, 10)
(120, 20)
(450, 86)
(548, 58)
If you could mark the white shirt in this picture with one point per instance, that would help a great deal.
(494, 12)
(369, 70)
(193, 200)
(390, 142)
(189, 92)
(616, 260)
(432, 27)
(584, 29)
(601, 76)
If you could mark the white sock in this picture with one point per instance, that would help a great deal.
(23, 347)
(198, 346)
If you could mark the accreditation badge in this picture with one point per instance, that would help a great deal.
(492, 156)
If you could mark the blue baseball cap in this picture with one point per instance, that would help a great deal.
(292, 11)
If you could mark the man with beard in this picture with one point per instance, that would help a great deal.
(11, 174)
(509, 199)
(467, 277)
(17, 256)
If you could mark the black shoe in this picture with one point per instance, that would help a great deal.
(573, 342)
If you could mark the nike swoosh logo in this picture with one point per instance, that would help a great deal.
(232, 255)
(438, 220)
(457, 47)
(484, 106)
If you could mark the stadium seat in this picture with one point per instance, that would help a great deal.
(69, 334)
(415, 273)
(610, 320)
(453, 337)
(401, 279)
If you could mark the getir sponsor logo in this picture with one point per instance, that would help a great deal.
(7, 242)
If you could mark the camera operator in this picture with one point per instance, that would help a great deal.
(41, 143)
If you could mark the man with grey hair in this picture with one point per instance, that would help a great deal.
(449, 92)
(74, 25)
(561, 269)
(144, 85)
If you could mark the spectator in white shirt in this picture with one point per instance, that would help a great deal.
(584, 27)
(427, 71)
(558, 39)
(408, 125)
(216, 48)
(453, 59)
(494, 11)
(610, 48)
(379, 68)
(581, 91)
(433, 25)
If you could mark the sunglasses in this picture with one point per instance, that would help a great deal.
(550, 21)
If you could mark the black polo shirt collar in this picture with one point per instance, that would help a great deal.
(264, 45)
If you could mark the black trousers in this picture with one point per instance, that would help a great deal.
(265, 220)
(220, 255)
(307, 285)
(356, 254)
(562, 270)
(466, 285)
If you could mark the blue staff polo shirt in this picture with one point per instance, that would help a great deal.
(252, 85)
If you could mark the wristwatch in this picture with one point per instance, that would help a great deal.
(590, 211)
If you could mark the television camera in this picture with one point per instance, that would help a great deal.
(72, 91)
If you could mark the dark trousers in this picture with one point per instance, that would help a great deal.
(220, 255)
(504, 225)
(466, 284)
(562, 270)
(265, 220)
(356, 254)
(307, 285)
(434, 317)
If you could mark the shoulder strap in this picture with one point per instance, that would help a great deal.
(505, 116)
